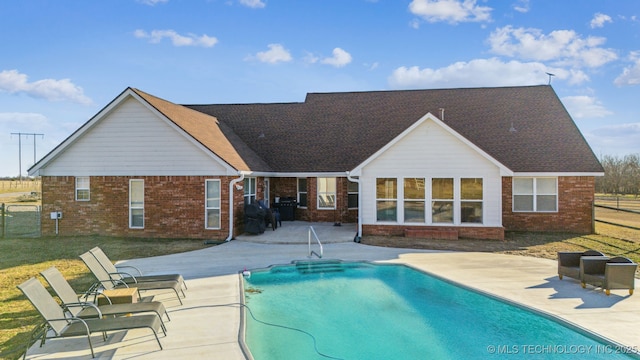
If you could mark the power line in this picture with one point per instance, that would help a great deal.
(20, 148)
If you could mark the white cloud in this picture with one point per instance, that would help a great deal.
(340, 58)
(373, 66)
(599, 20)
(254, 4)
(276, 53)
(564, 47)
(452, 11)
(15, 82)
(33, 120)
(585, 107)
(152, 2)
(310, 58)
(619, 139)
(176, 39)
(631, 74)
(480, 73)
(521, 6)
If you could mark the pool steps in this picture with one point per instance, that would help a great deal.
(320, 266)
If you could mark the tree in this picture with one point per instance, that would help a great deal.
(621, 175)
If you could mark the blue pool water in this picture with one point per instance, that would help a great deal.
(367, 311)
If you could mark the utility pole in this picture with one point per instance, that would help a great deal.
(20, 148)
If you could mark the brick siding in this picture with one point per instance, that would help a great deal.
(575, 208)
(288, 187)
(173, 208)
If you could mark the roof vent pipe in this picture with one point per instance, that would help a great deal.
(442, 114)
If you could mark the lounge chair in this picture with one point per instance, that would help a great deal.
(64, 326)
(569, 262)
(74, 306)
(127, 277)
(107, 282)
(615, 273)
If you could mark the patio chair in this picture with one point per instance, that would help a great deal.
(107, 282)
(65, 326)
(76, 307)
(127, 277)
(615, 273)
(569, 262)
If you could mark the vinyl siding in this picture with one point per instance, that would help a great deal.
(431, 152)
(132, 140)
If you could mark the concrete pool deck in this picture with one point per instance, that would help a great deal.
(207, 324)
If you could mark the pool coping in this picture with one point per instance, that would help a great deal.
(634, 352)
(212, 276)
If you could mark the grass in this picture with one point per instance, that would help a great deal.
(13, 186)
(23, 258)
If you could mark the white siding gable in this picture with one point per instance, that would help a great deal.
(133, 140)
(431, 151)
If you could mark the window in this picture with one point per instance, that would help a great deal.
(471, 200)
(386, 199)
(302, 192)
(136, 204)
(82, 188)
(352, 195)
(535, 194)
(212, 204)
(414, 200)
(249, 190)
(442, 200)
(326, 193)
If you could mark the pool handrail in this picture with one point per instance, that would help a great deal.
(312, 252)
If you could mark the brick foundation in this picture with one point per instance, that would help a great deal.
(467, 232)
(431, 234)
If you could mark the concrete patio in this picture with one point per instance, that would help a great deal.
(207, 325)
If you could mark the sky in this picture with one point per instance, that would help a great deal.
(62, 61)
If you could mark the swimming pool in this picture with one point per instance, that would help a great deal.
(374, 311)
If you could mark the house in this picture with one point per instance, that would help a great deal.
(445, 163)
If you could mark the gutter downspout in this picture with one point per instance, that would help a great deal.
(231, 184)
(359, 234)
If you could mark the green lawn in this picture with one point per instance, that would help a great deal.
(21, 259)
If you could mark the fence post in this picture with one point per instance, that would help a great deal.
(2, 219)
(593, 217)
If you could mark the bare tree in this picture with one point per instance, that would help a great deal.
(621, 175)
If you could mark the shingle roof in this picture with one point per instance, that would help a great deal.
(208, 131)
(333, 132)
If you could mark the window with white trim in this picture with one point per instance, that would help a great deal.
(212, 204)
(471, 200)
(414, 200)
(386, 199)
(326, 193)
(352, 195)
(249, 190)
(442, 200)
(83, 192)
(136, 204)
(532, 194)
(302, 192)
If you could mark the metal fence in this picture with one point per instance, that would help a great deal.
(19, 220)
